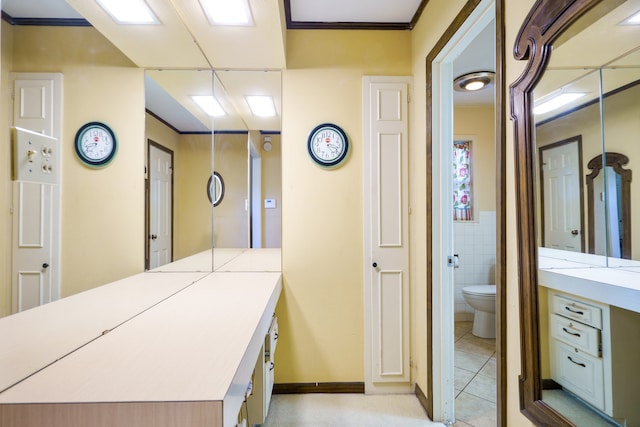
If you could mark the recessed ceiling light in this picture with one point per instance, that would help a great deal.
(129, 11)
(227, 12)
(557, 101)
(209, 105)
(261, 105)
(474, 81)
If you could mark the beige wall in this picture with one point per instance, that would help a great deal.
(478, 122)
(272, 189)
(321, 308)
(7, 36)
(102, 210)
(231, 218)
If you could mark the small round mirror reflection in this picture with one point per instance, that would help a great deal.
(215, 189)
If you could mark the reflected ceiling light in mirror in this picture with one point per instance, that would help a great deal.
(632, 20)
(261, 105)
(129, 11)
(209, 105)
(227, 12)
(556, 102)
(471, 82)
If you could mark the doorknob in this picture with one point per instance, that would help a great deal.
(374, 265)
(154, 236)
(574, 232)
(45, 265)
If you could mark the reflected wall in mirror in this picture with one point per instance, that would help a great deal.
(609, 207)
(177, 123)
(247, 153)
(579, 326)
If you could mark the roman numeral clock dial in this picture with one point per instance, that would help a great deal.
(328, 145)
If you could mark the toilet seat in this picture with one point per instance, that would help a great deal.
(481, 290)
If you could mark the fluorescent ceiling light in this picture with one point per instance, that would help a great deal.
(227, 12)
(129, 11)
(209, 105)
(557, 102)
(261, 105)
(633, 19)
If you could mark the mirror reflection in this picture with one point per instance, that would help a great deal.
(245, 156)
(586, 120)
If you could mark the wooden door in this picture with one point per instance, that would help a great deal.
(160, 239)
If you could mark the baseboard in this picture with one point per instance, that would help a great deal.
(301, 388)
(422, 398)
(549, 384)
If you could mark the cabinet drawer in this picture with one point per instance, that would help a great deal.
(578, 310)
(578, 372)
(271, 340)
(583, 337)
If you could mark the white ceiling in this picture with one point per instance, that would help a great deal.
(185, 40)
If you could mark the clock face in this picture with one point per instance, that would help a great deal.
(328, 145)
(96, 144)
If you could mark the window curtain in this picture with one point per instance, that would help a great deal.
(462, 195)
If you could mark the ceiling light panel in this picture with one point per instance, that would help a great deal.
(129, 11)
(556, 102)
(261, 105)
(209, 105)
(227, 12)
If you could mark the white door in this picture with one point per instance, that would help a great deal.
(35, 276)
(562, 197)
(160, 237)
(386, 206)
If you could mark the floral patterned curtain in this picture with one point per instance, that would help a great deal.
(462, 195)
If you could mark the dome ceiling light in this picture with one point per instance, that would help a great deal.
(472, 82)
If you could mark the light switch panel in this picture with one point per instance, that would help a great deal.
(35, 157)
(269, 203)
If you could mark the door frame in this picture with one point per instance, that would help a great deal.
(433, 399)
(147, 201)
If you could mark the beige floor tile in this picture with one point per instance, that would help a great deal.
(469, 361)
(475, 411)
(471, 344)
(483, 387)
(490, 368)
(462, 377)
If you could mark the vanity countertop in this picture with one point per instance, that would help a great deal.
(588, 276)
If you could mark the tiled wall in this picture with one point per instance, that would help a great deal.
(475, 244)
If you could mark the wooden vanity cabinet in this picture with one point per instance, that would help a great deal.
(263, 377)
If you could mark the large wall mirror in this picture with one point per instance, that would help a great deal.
(576, 115)
(219, 135)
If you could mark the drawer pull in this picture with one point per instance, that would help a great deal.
(571, 333)
(577, 363)
(273, 366)
(574, 311)
(275, 336)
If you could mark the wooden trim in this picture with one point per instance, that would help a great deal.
(46, 22)
(313, 25)
(329, 387)
(578, 139)
(545, 22)
(462, 16)
(501, 219)
(422, 398)
(617, 161)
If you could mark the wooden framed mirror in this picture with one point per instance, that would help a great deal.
(558, 26)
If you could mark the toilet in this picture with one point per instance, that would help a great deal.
(483, 299)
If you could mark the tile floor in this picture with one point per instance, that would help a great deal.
(475, 405)
(474, 378)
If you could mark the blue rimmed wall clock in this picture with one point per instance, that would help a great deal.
(96, 144)
(328, 145)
